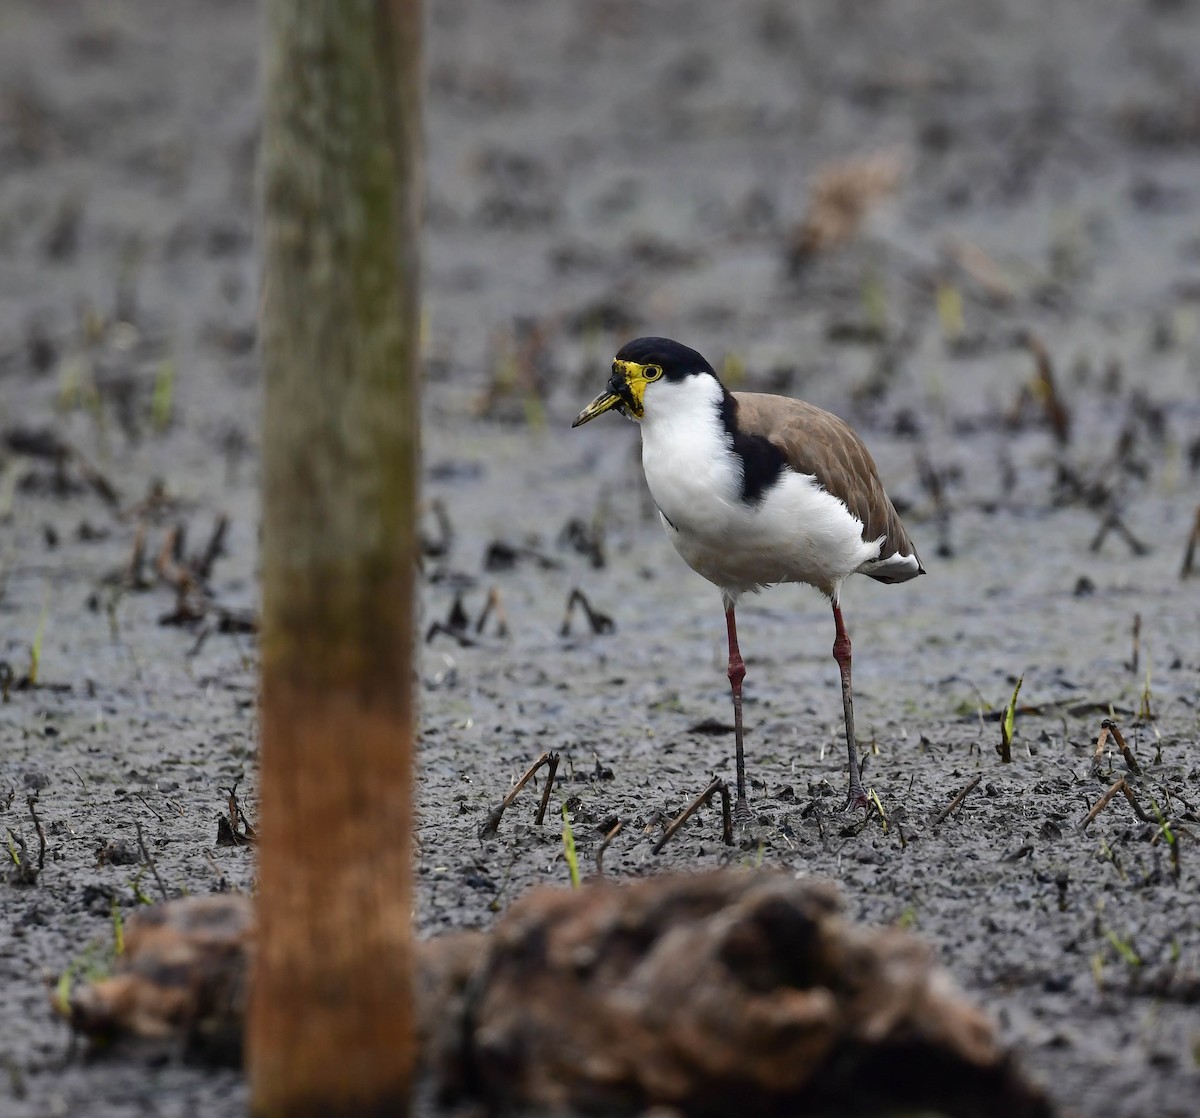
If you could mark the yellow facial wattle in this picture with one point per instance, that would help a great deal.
(626, 390)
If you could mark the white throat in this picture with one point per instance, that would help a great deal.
(687, 454)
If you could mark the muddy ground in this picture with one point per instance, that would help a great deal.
(599, 170)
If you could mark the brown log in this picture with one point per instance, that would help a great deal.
(330, 1028)
(717, 993)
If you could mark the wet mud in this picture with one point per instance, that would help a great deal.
(1013, 327)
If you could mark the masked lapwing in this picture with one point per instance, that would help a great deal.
(755, 490)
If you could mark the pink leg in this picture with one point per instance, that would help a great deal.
(841, 653)
(737, 672)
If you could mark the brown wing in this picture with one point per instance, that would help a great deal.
(817, 442)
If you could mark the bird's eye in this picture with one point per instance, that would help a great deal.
(652, 372)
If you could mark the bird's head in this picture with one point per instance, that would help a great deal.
(638, 366)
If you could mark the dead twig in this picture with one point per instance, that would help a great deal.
(231, 620)
(600, 623)
(135, 570)
(1101, 738)
(933, 481)
(551, 770)
(31, 802)
(168, 565)
(438, 546)
(1045, 390)
(148, 860)
(1117, 786)
(190, 609)
(1189, 552)
(24, 872)
(495, 605)
(503, 556)
(147, 806)
(956, 803)
(456, 624)
(1113, 522)
(202, 566)
(237, 814)
(201, 638)
(1109, 728)
(492, 823)
(236, 829)
(993, 280)
(604, 846)
(103, 487)
(46, 444)
(439, 627)
(717, 785)
(587, 539)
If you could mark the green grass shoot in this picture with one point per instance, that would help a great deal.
(118, 929)
(572, 858)
(61, 1002)
(13, 853)
(1123, 948)
(164, 392)
(76, 384)
(874, 300)
(35, 650)
(92, 964)
(873, 796)
(139, 894)
(1168, 835)
(1145, 707)
(1110, 855)
(950, 312)
(1008, 724)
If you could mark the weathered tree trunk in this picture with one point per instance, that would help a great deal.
(330, 1028)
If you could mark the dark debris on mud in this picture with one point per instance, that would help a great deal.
(980, 247)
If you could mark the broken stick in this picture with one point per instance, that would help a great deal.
(1117, 786)
(956, 803)
(718, 785)
(550, 759)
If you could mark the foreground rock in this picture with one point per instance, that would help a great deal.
(722, 992)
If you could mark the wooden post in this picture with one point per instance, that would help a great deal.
(330, 1029)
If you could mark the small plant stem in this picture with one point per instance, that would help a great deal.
(149, 861)
(1117, 786)
(551, 770)
(604, 846)
(956, 803)
(718, 785)
(492, 822)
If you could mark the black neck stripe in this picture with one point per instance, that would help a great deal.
(763, 462)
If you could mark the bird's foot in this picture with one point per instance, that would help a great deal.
(857, 799)
(741, 813)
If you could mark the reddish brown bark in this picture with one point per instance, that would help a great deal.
(330, 1024)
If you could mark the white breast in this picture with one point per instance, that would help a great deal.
(797, 533)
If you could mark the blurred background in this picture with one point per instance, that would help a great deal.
(601, 169)
(970, 228)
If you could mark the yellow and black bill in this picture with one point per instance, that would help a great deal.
(623, 392)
